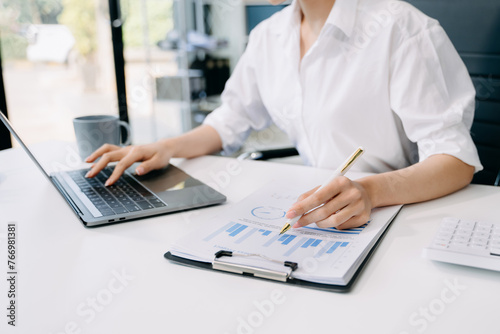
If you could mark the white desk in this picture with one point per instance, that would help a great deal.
(65, 268)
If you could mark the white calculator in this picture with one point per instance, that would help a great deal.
(466, 242)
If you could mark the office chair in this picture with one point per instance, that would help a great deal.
(474, 29)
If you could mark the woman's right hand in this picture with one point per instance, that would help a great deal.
(153, 156)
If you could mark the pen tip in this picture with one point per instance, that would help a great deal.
(285, 228)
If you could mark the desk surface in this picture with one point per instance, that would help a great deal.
(114, 279)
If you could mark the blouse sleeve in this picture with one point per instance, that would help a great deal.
(432, 93)
(242, 109)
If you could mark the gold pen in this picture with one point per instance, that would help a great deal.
(339, 172)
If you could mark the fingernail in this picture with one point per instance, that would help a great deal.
(89, 173)
(139, 170)
(87, 159)
(108, 182)
(291, 214)
(296, 225)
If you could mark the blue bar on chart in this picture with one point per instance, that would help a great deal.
(219, 231)
(232, 228)
(333, 248)
(324, 249)
(316, 243)
(283, 237)
(273, 239)
(286, 238)
(294, 248)
(246, 235)
(287, 241)
(308, 242)
(344, 244)
(235, 232)
(265, 232)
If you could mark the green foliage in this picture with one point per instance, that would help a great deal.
(160, 21)
(13, 15)
(80, 17)
(15, 11)
(49, 10)
(13, 46)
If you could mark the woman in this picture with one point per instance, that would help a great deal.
(336, 74)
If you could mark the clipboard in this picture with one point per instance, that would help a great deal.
(275, 276)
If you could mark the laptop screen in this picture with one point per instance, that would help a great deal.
(20, 141)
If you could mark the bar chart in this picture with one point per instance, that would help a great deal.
(331, 247)
(286, 244)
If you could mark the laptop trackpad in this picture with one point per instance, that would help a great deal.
(175, 187)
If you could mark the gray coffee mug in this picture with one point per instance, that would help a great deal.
(94, 131)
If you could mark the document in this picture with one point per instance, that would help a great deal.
(323, 255)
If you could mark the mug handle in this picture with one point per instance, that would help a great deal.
(127, 127)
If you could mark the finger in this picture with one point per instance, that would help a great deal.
(350, 216)
(291, 213)
(354, 222)
(100, 151)
(307, 194)
(149, 165)
(323, 212)
(331, 190)
(336, 219)
(132, 156)
(103, 162)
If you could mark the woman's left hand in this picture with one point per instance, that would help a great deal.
(342, 203)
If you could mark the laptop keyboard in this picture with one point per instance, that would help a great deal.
(126, 195)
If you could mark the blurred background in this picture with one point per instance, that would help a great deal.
(158, 64)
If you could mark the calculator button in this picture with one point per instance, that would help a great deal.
(442, 240)
(479, 247)
(460, 248)
(483, 229)
(463, 232)
(484, 225)
(466, 224)
(440, 245)
(479, 241)
(449, 222)
(495, 243)
(444, 236)
(460, 238)
(480, 235)
(448, 230)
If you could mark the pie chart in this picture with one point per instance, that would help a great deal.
(268, 212)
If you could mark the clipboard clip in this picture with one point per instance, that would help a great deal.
(282, 276)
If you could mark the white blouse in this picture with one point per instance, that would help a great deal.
(381, 75)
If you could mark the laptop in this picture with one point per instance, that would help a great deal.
(131, 197)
